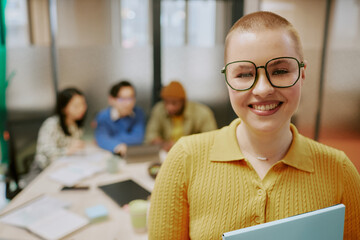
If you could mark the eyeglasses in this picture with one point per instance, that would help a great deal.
(282, 72)
(125, 100)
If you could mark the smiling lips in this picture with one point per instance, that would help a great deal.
(265, 108)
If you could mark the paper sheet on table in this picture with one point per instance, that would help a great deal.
(58, 224)
(32, 211)
(74, 173)
(95, 156)
(45, 216)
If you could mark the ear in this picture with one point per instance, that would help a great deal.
(303, 72)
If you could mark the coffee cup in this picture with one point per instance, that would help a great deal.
(138, 211)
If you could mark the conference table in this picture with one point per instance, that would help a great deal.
(118, 223)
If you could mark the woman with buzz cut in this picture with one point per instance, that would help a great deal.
(259, 168)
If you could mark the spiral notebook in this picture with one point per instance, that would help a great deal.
(326, 223)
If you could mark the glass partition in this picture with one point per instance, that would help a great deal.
(308, 17)
(193, 51)
(101, 42)
(340, 117)
(30, 93)
(340, 112)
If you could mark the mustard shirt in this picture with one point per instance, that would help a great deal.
(197, 118)
(206, 187)
(177, 130)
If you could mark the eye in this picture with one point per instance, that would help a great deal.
(279, 72)
(245, 75)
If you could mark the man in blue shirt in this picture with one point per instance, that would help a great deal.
(122, 123)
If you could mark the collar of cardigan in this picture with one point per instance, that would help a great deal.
(225, 148)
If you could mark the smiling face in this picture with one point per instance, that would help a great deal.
(125, 101)
(264, 108)
(76, 108)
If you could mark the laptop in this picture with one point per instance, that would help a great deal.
(142, 153)
(326, 223)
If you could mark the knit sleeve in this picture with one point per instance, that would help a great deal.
(351, 200)
(169, 211)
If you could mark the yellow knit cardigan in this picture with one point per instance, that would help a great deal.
(206, 187)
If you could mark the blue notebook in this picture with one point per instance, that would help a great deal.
(326, 223)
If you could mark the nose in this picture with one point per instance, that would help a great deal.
(262, 86)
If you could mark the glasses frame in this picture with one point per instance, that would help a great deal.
(300, 64)
(122, 100)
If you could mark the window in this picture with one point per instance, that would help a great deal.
(134, 23)
(16, 18)
(201, 27)
(188, 23)
(173, 23)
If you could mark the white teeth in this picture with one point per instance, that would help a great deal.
(265, 107)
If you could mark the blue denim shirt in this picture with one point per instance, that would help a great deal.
(129, 130)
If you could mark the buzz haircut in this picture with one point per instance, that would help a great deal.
(263, 20)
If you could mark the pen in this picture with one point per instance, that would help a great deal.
(75, 188)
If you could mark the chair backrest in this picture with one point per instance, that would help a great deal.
(12, 187)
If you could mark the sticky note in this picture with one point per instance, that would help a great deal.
(97, 213)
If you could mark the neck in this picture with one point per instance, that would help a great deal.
(264, 146)
(69, 121)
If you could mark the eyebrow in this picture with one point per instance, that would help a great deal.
(243, 66)
(277, 62)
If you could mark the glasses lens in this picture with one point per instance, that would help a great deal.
(240, 75)
(283, 72)
(125, 100)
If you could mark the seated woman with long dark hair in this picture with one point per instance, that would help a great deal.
(60, 134)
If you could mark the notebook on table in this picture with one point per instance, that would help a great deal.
(125, 191)
(326, 223)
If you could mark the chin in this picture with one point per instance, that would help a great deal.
(266, 126)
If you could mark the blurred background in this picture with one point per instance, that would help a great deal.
(91, 44)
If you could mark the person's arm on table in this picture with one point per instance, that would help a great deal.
(103, 137)
(135, 135)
